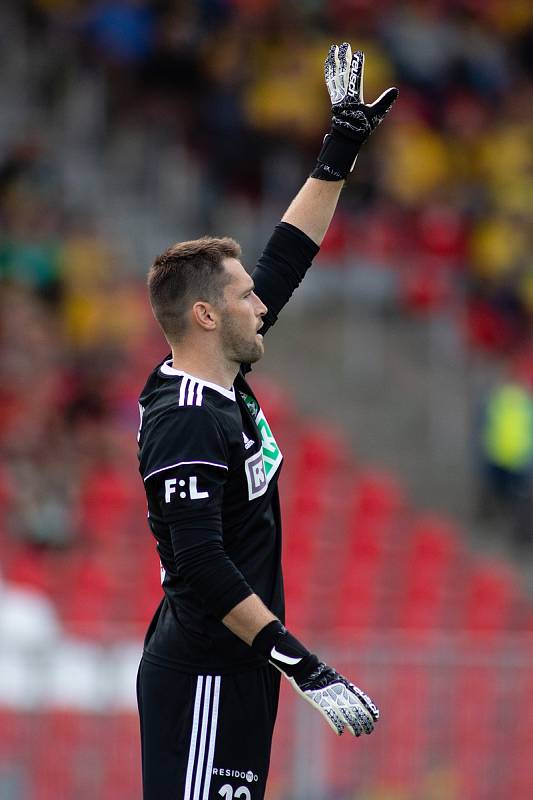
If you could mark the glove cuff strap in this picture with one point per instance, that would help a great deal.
(336, 158)
(276, 644)
(265, 640)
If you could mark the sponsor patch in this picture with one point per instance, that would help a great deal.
(262, 466)
(255, 475)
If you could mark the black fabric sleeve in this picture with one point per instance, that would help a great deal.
(190, 500)
(280, 270)
(204, 565)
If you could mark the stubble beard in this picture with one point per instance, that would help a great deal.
(237, 347)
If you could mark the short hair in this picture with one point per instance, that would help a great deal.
(185, 273)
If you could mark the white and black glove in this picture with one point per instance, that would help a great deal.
(352, 120)
(340, 702)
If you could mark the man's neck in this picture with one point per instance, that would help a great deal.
(206, 369)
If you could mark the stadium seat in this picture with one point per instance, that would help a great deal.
(53, 764)
(426, 290)
(377, 494)
(483, 719)
(30, 567)
(493, 600)
(121, 765)
(319, 449)
(362, 577)
(104, 506)
(372, 524)
(408, 708)
(433, 573)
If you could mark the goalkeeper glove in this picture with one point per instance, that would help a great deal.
(352, 120)
(339, 701)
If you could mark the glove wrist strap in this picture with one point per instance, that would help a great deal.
(276, 644)
(336, 158)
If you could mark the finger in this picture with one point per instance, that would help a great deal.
(366, 701)
(340, 89)
(355, 79)
(345, 56)
(364, 716)
(329, 73)
(366, 721)
(333, 719)
(382, 106)
(329, 64)
(345, 60)
(352, 722)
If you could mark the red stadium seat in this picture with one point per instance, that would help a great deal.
(121, 767)
(320, 449)
(377, 494)
(30, 567)
(372, 523)
(493, 598)
(361, 578)
(485, 716)
(409, 727)
(104, 506)
(434, 571)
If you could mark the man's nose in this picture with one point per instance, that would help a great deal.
(261, 309)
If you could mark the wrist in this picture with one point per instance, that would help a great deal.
(276, 644)
(336, 158)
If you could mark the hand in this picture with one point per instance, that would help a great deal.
(339, 701)
(353, 120)
(344, 74)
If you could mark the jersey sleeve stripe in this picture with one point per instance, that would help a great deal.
(183, 388)
(185, 463)
(199, 394)
(190, 395)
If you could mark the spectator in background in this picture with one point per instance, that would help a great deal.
(506, 448)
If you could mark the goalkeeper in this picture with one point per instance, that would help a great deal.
(208, 682)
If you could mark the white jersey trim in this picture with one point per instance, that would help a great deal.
(199, 768)
(190, 393)
(185, 463)
(167, 369)
(194, 736)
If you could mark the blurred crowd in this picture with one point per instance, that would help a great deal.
(233, 91)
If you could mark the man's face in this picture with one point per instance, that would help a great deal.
(241, 316)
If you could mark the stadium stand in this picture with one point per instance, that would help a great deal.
(105, 158)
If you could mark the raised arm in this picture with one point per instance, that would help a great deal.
(296, 239)
(312, 209)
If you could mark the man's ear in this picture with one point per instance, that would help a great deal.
(204, 315)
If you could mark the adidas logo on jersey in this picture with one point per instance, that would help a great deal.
(247, 442)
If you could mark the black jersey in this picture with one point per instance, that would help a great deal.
(210, 465)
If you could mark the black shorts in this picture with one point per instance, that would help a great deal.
(206, 737)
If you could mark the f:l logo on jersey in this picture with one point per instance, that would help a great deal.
(194, 492)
